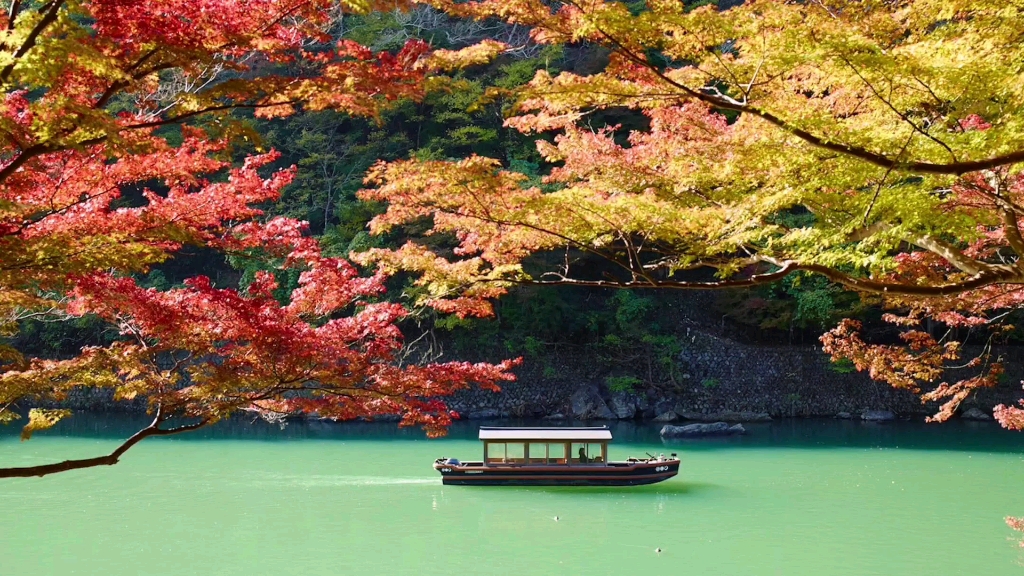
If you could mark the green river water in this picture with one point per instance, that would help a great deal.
(792, 498)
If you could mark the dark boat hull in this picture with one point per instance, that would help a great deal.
(611, 475)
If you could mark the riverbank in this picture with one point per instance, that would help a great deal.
(726, 381)
(723, 380)
(964, 435)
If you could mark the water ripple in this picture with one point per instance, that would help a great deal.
(316, 481)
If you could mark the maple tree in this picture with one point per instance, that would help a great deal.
(876, 144)
(115, 138)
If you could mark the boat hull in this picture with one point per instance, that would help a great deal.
(613, 474)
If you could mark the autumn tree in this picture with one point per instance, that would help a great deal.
(116, 134)
(874, 144)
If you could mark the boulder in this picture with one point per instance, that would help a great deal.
(668, 416)
(601, 412)
(587, 404)
(642, 403)
(975, 414)
(623, 405)
(877, 415)
(702, 430)
(844, 415)
(727, 416)
(661, 406)
(555, 416)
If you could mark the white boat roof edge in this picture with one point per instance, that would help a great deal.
(553, 433)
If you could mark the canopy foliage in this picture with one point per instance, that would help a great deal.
(116, 133)
(876, 144)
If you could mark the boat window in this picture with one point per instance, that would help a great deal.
(586, 453)
(515, 452)
(495, 452)
(578, 453)
(556, 453)
(507, 452)
(538, 453)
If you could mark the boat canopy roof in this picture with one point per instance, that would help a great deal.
(562, 434)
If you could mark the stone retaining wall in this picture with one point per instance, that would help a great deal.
(726, 376)
(721, 376)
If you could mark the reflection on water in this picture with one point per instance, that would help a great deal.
(674, 487)
(315, 480)
(802, 433)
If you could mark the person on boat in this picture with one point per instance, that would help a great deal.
(583, 456)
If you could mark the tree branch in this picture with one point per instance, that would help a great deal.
(12, 13)
(955, 168)
(39, 149)
(1012, 231)
(49, 18)
(992, 276)
(865, 232)
(109, 460)
(896, 111)
(950, 253)
(25, 155)
(221, 108)
(881, 183)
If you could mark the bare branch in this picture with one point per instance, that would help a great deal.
(949, 252)
(995, 275)
(868, 231)
(109, 460)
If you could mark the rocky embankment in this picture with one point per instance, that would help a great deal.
(724, 381)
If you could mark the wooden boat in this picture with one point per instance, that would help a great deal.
(553, 457)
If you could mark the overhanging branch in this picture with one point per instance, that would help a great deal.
(950, 253)
(955, 168)
(52, 10)
(108, 460)
(993, 275)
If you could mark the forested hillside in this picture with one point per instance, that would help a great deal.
(354, 209)
(333, 150)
